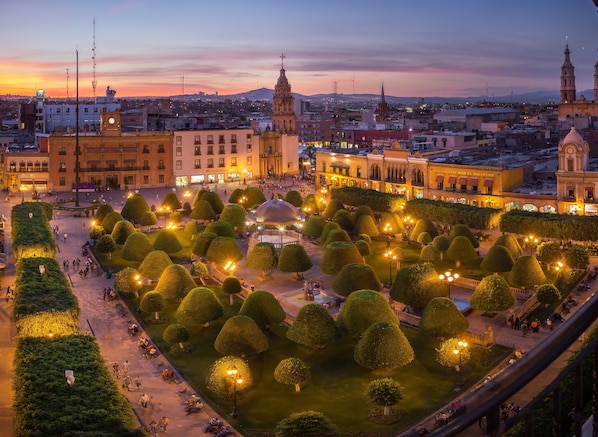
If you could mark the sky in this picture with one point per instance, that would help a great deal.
(415, 48)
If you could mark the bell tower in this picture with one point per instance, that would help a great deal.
(283, 111)
(567, 78)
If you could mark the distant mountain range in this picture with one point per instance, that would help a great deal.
(545, 96)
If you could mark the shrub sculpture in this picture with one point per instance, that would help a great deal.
(424, 238)
(262, 257)
(231, 286)
(447, 356)
(294, 198)
(360, 211)
(337, 235)
(461, 251)
(312, 205)
(126, 284)
(167, 241)
(344, 220)
(366, 225)
(314, 226)
(263, 307)
(313, 327)
(577, 257)
(148, 219)
(441, 244)
(223, 250)
(548, 294)
(154, 264)
(329, 226)
(383, 346)
(220, 228)
(442, 318)
(361, 309)
(152, 302)
(391, 224)
(106, 244)
(307, 424)
(191, 229)
(294, 259)
(199, 270)
(234, 215)
(549, 252)
(423, 225)
(254, 196)
(203, 211)
(236, 195)
(175, 282)
(465, 231)
(101, 212)
(134, 208)
(384, 392)
(338, 254)
(171, 202)
(417, 285)
(354, 277)
(429, 253)
(511, 243)
(493, 294)
(202, 243)
(526, 272)
(364, 248)
(176, 333)
(136, 248)
(241, 336)
(96, 232)
(219, 381)
(498, 260)
(214, 200)
(110, 220)
(292, 371)
(334, 205)
(199, 307)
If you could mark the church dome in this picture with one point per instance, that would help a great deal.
(573, 137)
(275, 212)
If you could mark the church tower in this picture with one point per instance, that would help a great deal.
(567, 78)
(382, 108)
(283, 111)
(596, 82)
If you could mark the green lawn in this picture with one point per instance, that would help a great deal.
(337, 384)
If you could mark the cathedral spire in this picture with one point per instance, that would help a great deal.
(283, 104)
(382, 111)
(567, 77)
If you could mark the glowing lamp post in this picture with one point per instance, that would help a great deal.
(236, 381)
(392, 257)
(458, 351)
(448, 279)
(531, 241)
(230, 267)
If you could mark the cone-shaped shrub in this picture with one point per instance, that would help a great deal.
(548, 294)
(493, 294)
(154, 264)
(110, 220)
(294, 198)
(424, 238)
(354, 277)
(362, 210)
(121, 231)
(312, 204)
(511, 244)
(262, 257)
(465, 231)
(314, 226)
(383, 346)
(235, 195)
(526, 272)
(199, 308)
(223, 250)
(363, 247)
(175, 282)
(423, 225)
(148, 219)
(231, 286)
(214, 200)
(391, 223)
(202, 243)
(344, 220)
(292, 371)
(363, 308)
(294, 259)
(461, 250)
(337, 235)
(366, 225)
(329, 226)
(313, 327)
(222, 229)
(203, 211)
(176, 333)
(234, 215)
(152, 302)
(254, 196)
(332, 208)
(498, 259)
(263, 308)
(442, 318)
(241, 336)
(307, 423)
(171, 202)
(101, 212)
(134, 208)
(167, 241)
(338, 254)
(191, 229)
(219, 381)
(429, 253)
(136, 248)
(416, 285)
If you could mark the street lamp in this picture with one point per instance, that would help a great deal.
(388, 231)
(458, 351)
(236, 380)
(391, 257)
(448, 278)
(230, 267)
(139, 282)
(23, 188)
(532, 242)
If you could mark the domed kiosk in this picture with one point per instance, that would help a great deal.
(271, 219)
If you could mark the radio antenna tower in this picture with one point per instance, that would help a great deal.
(94, 82)
(67, 83)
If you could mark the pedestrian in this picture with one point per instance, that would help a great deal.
(127, 383)
(163, 423)
(517, 323)
(153, 427)
(138, 382)
(65, 236)
(126, 367)
(143, 400)
(115, 370)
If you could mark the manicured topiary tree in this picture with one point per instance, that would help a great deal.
(234, 215)
(191, 229)
(294, 198)
(214, 200)
(365, 238)
(313, 327)
(338, 254)
(134, 208)
(202, 243)
(171, 202)
(154, 264)
(461, 251)
(307, 424)
(344, 220)
(549, 252)
(292, 371)
(417, 285)
(254, 196)
(175, 282)
(337, 235)
(231, 286)
(203, 211)
(383, 346)
(294, 259)
(311, 204)
(464, 230)
(492, 294)
(548, 294)
(96, 232)
(197, 197)
(199, 270)
(424, 225)
(332, 208)
(366, 225)
(314, 226)
(199, 307)
(167, 241)
(442, 318)
(263, 307)
(577, 257)
(364, 248)
(110, 220)
(526, 273)
(329, 226)
(429, 253)
(125, 282)
(223, 250)
(390, 224)
(236, 195)
(498, 259)
(121, 231)
(241, 336)
(384, 392)
(219, 381)
(447, 357)
(361, 309)
(360, 211)
(136, 248)
(222, 229)
(424, 238)
(441, 244)
(176, 333)
(152, 302)
(148, 219)
(106, 244)
(262, 257)
(175, 218)
(101, 212)
(354, 277)
(511, 243)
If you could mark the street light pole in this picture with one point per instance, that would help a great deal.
(233, 374)
(459, 351)
(391, 257)
(448, 278)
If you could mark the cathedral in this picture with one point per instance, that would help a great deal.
(570, 106)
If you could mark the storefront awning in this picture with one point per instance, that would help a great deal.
(439, 178)
(94, 162)
(488, 182)
(111, 161)
(473, 182)
(462, 181)
(452, 179)
(420, 138)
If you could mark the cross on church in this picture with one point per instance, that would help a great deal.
(282, 56)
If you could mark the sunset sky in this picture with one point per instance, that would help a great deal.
(415, 48)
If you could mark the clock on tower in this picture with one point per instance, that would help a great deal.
(110, 123)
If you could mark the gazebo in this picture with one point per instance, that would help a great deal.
(275, 214)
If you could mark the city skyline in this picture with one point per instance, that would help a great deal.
(151, 48)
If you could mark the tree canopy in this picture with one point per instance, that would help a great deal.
(313, 327)
(241, 336)
(383, 346)
(361, 309)
(136, 248)
(307, 424)
(338, 254)
(262, 257)
(154, 264)
(417, 285)
(175, 282)
(292, 371)
(263, 307)
(134, 208)
(442, 318)
(354, 277)
(199, 307)
(497, 260)
(294, 259)
(492, 294)
(526, 272)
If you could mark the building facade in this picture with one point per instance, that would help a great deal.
(570, 106)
